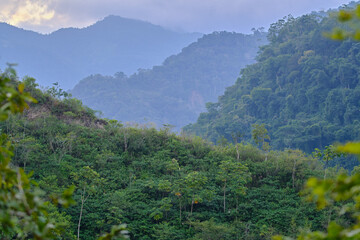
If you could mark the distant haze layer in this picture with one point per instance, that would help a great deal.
(112, 45)
(175, 92)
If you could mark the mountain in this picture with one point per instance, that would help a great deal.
(305, 88)
(176, 91)
(70, 54)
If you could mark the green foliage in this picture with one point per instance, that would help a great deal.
(23, 214)
(328, 154)
(212, 231)
(260, 136)
(56, 92)
(343, 190)
(117, 232)
(12, 96)
(163, 186)
(304, 89)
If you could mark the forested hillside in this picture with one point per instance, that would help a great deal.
(305, 89)
(162, 185)
(68, 174)
(70, 54)
(175, 92)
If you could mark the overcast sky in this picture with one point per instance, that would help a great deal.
(188, 15)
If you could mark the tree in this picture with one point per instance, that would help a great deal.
(211, 230)
(194, 183)
(87, 182)
(236, 137)
(61, 145)
(25, 146)
(233, 174)
(261, 137)
(328, 154)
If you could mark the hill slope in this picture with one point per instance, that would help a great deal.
(162, 185)
(305, 89)
(175, 92)
(70, 54)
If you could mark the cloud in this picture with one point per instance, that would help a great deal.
(28, 11)
(189, 15)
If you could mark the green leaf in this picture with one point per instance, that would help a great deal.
(351, 147)
(21, 87)
(357, 11)
(338, 34)
(344, 16)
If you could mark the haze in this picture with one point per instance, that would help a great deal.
(194, 16)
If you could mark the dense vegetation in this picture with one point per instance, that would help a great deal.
(162, 185)
(175, 92)
(167, 186)
(305, 89)
(68, 55)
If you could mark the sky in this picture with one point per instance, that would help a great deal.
(203, 16)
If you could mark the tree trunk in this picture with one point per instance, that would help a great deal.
(180, 209)
(266, 155)
(125, 142)
(237, 204)
(192, 204)
(237, 152)
(81, 210)
(325, 170)
(225, 197)
(293, 174)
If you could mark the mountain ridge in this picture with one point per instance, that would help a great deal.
(176, 91)
(69, 54)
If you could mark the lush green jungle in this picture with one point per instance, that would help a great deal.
(68, 174)
(304, 88)
(176, 92)
(164, 186)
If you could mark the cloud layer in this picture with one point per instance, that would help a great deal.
(188, 15)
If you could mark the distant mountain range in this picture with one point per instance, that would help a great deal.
(108, 46)
(175, 92)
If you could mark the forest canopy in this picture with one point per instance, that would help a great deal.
(304, 88)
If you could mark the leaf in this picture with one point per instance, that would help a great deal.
(21, 87)
(357, 11)
(351, 147)
(338, 34)
(357, 35)
(344, 16)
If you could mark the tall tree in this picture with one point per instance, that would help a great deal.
(195, 182)
(88, 183)
(234, 175)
